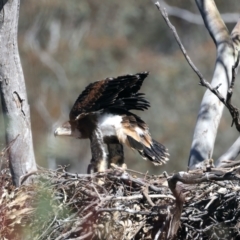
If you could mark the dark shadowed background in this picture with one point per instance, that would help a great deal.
(65, 45)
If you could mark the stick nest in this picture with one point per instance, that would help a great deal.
(121, 204)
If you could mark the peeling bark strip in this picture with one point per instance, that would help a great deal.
(13, 94)
(211, 108)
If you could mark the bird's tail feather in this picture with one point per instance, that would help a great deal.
(156, 153)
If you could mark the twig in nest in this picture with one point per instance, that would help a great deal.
(230, 163)
(133, 171)
(194, 177)
(175, 219)
(136, 231)
(129, 214)
(145, 194)
(26, 176)
(43, 234)
(85, 236)
(164, 226)
(138, 196)
(128, 211)
(5, 149)
(68, 233)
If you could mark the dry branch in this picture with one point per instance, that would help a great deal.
(61, 205)
(230, 154)
(196, 18)
(211, 108)
(224, 75)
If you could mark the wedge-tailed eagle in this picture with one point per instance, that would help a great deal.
(102, 114)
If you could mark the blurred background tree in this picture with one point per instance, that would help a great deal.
(66, 45)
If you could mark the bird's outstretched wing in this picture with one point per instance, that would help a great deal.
(135, 134)
(112, 93)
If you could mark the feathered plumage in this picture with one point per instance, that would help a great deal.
(119, 93)
(102, 114)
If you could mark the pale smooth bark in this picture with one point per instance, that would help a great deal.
(13, 95)
(211, 108)
(230, 154)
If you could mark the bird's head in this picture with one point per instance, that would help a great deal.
(78, 128)
(68, 128)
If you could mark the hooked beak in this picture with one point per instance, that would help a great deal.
(60, 131)
(64, 130)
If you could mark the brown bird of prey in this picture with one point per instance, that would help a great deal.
(102, 114)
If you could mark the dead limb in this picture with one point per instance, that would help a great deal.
(230, 154)
(193, 17)
(211, 109)
(194, 177)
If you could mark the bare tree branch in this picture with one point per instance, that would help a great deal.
(196, 18)
(230, 154)
(211, 108)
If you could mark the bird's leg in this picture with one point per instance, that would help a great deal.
(90, 168)
(116, 155)
(99, 162)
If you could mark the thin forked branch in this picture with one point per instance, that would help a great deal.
(203, 82)
(202, 149)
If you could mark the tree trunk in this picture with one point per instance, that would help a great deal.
(13, 95)
(211, 107)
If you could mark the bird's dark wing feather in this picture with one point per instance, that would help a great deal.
(134, 84)
(111, 93)
(129, 98)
